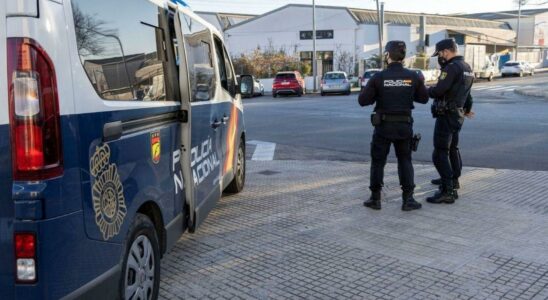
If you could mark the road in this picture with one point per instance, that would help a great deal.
(509, 132)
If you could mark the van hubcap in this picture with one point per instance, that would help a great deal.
(139, 281)
(241, 162)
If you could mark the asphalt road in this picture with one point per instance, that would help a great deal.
(509, 132)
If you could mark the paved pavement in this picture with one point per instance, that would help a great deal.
(299, 231)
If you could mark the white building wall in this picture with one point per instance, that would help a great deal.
(281, 28)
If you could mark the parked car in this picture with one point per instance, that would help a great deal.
(105, 165)
(367, 75)
(250, 86)
(420, 73)
(288, 83)
(519, 68)
(335, 82)
(258, 88)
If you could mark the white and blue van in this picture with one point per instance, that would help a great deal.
(121, 125)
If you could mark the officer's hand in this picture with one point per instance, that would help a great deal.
(470, 115)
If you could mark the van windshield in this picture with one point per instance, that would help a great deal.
(334, 76)
(285, 76)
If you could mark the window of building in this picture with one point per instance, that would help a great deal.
(198, 50)
(120, 45)
(320, 35)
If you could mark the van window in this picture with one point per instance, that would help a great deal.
(119, 48)
(198, 47)
(226, 73)
(334, 76)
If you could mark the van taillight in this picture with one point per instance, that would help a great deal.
(25, 257)
(34, 112)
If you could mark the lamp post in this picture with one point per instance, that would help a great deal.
(519, 24)
(380, 19)
(314, 63)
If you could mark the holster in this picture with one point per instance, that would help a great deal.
(415, 141)
(376, 119)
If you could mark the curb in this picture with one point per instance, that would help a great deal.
(532, 92)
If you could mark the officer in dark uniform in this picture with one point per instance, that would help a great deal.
(393, 92)
(451, 96)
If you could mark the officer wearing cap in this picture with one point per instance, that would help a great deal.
(393, 92)
(452, 102)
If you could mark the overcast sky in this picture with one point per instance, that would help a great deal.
(426, 6)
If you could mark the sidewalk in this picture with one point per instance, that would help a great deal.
(299, 230)
(536, 91)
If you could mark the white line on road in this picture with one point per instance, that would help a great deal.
(479, 88)
(505, 88)
(263, 150)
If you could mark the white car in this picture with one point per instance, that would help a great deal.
(519, 68)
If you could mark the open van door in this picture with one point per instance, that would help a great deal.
(201, 151)
(185, 133)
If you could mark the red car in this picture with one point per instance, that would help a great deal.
(288, 83)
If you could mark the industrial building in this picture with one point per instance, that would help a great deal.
(348, 37)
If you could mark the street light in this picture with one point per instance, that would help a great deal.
(314, 63)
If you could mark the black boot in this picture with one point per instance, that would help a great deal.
(409, 202)
(444, 195)
(456, 184)
(374, 202)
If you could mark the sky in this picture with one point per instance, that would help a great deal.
(424, 6)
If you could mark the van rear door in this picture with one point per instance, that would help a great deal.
(6, 204)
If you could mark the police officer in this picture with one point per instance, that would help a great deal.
(393, 92)
(451, 96)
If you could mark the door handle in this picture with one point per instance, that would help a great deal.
(112, 131)
(216, 124)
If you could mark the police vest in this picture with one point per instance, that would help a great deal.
(397, 92)
(459, 91)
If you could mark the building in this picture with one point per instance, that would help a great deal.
(348, 37)
(533, 31)
(223, 21)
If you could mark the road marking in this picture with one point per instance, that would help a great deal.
(504, 88)
(263, 150)
(484, 87)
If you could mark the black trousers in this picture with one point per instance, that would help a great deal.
(446, 156)
(399, 134)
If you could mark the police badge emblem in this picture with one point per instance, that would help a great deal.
(107, 193)
(155, 147)
(443, 75)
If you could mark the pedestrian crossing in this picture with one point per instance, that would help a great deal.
(495, 88)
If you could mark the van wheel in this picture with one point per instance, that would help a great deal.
(237, 184)
(490, 77)
(520, 74)
(141, 265)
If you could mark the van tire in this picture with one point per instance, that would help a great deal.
(237, 184)
(141, 234)
(490, 78)
(274, 95)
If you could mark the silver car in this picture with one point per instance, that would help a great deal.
(335, 82)
(518, 68)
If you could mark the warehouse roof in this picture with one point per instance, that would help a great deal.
(228, 20)
(368, 16)
(499, 15)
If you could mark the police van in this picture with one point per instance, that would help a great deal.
(121, 125)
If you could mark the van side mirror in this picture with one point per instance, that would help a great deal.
(245, 85)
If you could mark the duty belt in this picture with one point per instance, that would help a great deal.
(397, 119)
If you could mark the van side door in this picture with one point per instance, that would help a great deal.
(206, 124)
(227, 110)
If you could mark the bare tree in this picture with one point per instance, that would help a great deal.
(89, 32)
(344, 59)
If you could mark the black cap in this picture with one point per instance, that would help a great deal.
(396, 47)
(444, 45)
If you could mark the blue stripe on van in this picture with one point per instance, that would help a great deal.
(6, 216)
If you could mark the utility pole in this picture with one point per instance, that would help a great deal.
(519, 24)
(314, 62)
(380, 19)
